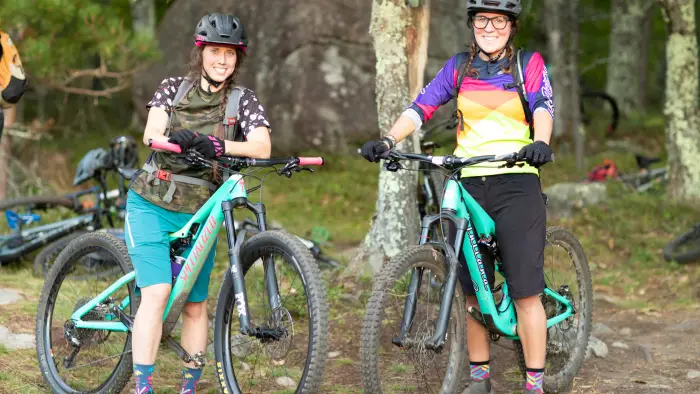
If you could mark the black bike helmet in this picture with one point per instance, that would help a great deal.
(92, 162)
(508, 7)
(220, 29)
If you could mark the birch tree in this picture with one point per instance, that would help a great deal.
(681, 106)
(400, 38)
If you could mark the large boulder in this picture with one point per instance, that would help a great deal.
(311, 63)
(565, 198)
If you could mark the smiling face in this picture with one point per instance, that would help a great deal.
(491, 31)
(219, 61)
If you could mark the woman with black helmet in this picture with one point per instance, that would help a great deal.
(190, 112)
(493, 121)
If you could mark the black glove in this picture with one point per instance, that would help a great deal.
(536, 154)
(184, 138)
(209, 146)
(371, 150)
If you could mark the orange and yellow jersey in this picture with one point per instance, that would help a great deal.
(494, 119)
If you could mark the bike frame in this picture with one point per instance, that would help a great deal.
(209, 219)
(460, 208)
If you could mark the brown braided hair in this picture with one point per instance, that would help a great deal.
(195, 73)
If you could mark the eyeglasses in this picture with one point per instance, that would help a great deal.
(498, 22)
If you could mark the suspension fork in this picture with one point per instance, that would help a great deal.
(451, 255)
(236, 269)
(273, 292)
(438, 340)
(234, 245)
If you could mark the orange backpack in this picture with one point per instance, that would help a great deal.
(13, 82)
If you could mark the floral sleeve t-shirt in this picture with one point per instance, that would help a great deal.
(201, 112)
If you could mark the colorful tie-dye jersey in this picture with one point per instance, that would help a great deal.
(494, 120)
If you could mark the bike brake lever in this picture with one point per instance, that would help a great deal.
(393, 166)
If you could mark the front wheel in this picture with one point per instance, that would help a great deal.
(294, 360)
(420, 271)
(566, 272)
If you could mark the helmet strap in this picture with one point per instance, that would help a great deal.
(210, 81)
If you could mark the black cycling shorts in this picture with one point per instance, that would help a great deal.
(515, 202)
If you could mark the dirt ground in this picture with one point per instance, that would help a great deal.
(662, 348)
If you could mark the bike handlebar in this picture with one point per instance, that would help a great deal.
(451, 161)
(244, 161)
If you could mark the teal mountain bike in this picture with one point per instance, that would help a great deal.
(271, 323)
(413, 334)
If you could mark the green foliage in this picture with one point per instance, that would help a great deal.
(57, 36)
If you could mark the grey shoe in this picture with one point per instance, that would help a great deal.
(483, 387)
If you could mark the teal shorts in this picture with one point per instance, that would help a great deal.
(146, 229)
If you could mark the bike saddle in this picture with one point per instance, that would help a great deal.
(643, 162)
(128, 173)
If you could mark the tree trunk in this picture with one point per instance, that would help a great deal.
(557, 60)
(625, 72)
(400, 36)
(647, 26)
(143, 16)
(563, 52)
(681, 107)
(573, 91)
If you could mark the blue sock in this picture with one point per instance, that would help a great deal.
(190, 377)
(143, 378)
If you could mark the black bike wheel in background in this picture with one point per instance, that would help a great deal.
(294, 362)
(95, 265)
(386, 368)
(566, 272)
(45, 259)
(103, 362)
(684, 249)
(600, 109)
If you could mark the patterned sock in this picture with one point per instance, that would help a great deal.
(480, 370)
(143, 378)
(190, 377)
(534, 379)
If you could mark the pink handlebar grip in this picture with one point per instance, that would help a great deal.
(311, 161)
(166, 146)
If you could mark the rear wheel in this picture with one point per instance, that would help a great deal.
(684, 249)
(387, 368)
(80, 359)
(566, 272)
(293, 361)
(600, 110)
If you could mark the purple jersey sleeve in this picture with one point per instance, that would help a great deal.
(437, 92)
(537, 85)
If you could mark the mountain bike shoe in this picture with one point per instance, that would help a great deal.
(482, 387)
